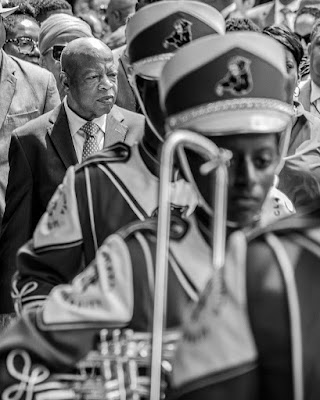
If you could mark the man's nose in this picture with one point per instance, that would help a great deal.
(105, 82)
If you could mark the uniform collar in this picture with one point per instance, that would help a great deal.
(76, 122)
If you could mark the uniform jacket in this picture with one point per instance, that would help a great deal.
(244, 351)
(27, 91)
(96, 198)
(40, 153)
(263, 15)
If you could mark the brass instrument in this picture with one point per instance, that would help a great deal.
(119, 369)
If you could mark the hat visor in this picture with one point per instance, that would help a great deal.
(234, 121)
(151, 68)
(5, 12)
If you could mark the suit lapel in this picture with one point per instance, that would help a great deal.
(116, 130)
(60, 136)
(7, 84)
(304, 97)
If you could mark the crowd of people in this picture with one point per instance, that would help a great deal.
(94, 96)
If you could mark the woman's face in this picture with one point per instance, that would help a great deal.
(292, 70)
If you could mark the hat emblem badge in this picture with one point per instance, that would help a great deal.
(238, 79)
(181, 34)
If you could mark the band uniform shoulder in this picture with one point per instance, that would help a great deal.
(119, 152)
(306, 218)
(101, 296)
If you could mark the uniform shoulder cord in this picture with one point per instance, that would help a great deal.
(294, 313)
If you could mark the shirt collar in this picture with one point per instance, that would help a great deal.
(76, 122)
(292, 6)
(315, 92)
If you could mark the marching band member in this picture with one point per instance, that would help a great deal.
(236, 109)
(119, 184)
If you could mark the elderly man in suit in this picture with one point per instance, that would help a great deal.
(277, 12)
(42, 150)
(26, 92)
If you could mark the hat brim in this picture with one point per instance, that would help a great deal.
(233, 118)
(5, 12)
(151, 68)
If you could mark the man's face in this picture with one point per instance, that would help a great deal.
(314, 53)
(303, 27)
(26, 32)
(93, 86)
(251, 174)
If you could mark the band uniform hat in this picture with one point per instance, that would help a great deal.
(5, 12)
(156, 31)
(228, 84)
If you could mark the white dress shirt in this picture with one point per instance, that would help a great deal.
(291, 17)
(315, 99)
(78, 137)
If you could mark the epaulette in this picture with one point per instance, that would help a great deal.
(119, 152)
(305, 218)
(178, 228)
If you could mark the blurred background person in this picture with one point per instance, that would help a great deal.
(277, 12)
(55, 33)
(309, 95)
(297, 175)
(94, 22)
(116, 17)
(46, 8)
(306, 18)
(22, 32)
(238, 9)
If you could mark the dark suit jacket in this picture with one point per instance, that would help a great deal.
(40, 153)
(26, 91)
(263, 15)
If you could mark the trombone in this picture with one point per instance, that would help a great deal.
(218, 161)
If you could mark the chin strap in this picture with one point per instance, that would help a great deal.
(133, 84)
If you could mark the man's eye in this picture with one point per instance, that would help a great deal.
(92, 77)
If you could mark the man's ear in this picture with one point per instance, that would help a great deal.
(64, 80)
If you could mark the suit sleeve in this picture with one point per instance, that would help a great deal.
(54, 254)
(52, 95)
(63, 331)
(17, 221)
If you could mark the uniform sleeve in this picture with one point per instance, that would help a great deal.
(52, 99)
(54, 255)
(53, 338)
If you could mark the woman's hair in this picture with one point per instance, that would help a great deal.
(288, 39)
